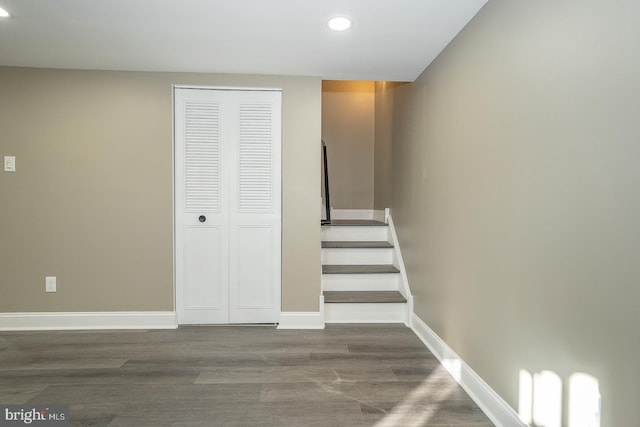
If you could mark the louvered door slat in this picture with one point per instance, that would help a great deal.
(202, 138)
(255, 173)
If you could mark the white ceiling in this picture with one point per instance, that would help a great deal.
(389, 40)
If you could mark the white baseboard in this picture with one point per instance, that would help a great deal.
(88, 320)
(357, 214)
(498, 411)
(300, 320)
(303, 319)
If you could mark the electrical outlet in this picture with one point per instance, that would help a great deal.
(50, 283)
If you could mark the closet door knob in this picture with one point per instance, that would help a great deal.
(202, 218)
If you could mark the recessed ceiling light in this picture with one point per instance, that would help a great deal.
(3, 13)
(339, 23)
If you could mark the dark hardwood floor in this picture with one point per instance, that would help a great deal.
(345, 375)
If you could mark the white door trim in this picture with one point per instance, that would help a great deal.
(230, 88)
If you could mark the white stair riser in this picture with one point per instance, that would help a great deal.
(365, 313)
(355, 233)
(357, 256)
(360, 282)
(356, 214)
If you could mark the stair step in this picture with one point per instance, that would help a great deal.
(357, 256)
(366, 313)
(354, 233)
(376, 297)
(356, 222)
(360, 282)
(356, 245)
(359, 269)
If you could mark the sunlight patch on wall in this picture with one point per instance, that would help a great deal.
(540, 400)
(525, 397)
(584, 401)
(547, 399)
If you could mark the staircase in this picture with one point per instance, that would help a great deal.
(361, 282)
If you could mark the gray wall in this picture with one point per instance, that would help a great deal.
(516, 194)
(348, 111)
(91, 201)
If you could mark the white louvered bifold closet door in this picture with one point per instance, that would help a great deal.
(227, 205)
(255, 221)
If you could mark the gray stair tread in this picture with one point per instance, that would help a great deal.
(356, 222)
(359, 269)
(355, 245)
(363, 297)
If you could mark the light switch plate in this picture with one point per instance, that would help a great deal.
(9, 163)
(50, 283)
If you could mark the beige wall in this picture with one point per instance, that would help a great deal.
(516, 194)
(348, 109)
(91, 201)
(383, 143)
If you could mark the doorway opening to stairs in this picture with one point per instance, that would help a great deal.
(362, 274)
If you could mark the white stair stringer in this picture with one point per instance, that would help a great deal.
(405, 290)
(365, 312)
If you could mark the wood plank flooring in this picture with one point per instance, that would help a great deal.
(345, 375)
